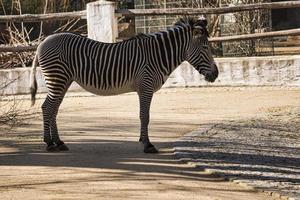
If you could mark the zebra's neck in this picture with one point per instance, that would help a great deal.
(171, 47)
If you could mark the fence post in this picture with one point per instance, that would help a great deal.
(101, 21)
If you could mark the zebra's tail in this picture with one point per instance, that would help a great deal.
(33, 83)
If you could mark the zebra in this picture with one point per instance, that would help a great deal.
(140, 64)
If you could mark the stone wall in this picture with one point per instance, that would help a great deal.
(247, 71)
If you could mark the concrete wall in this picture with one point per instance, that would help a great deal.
(248, 71)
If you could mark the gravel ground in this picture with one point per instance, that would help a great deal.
(260, 152)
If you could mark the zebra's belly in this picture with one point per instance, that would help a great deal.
(108, 92)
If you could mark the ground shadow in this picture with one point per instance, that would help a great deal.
(255, 150)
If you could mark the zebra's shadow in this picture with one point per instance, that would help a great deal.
(122, 160)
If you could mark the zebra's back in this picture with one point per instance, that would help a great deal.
(100, 68)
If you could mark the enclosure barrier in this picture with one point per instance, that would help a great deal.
(254, 71)
(290, 32)
(97, 16)
(147, 12)
(43, 17)
(206, 11)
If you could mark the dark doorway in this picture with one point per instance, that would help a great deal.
(288, 18)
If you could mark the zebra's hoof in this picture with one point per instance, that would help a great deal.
(51, 148)
(150, 149)
(62, 147)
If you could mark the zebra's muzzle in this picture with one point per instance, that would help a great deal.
(213, 75)
(210, 77)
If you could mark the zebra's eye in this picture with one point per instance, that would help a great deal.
(205, 46)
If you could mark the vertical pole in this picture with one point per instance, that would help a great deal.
(101, 21)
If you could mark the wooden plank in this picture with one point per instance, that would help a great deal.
(17, 49)
(287, 49)
(43, 17)
(147, 12)
(256, 35)
(200, 11)
(287, 43)
(279, 50)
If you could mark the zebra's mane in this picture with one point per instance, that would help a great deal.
(186, 21)
(192, 22)
(183, 22)
(151, 35)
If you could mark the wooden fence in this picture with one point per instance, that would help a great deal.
(206, 11)
(150, 12)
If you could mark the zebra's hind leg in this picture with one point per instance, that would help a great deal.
(50, 109)
(145, 101)
(46, 120)
(60, 145)
(51, 137)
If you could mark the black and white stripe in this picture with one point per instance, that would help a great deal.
(141, 64)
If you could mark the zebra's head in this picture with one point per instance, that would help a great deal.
(199, 53)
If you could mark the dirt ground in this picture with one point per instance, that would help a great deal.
(105, 160)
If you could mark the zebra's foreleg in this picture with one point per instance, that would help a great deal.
(145, 102)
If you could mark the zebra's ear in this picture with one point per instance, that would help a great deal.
(199, 27)
(202, 21)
